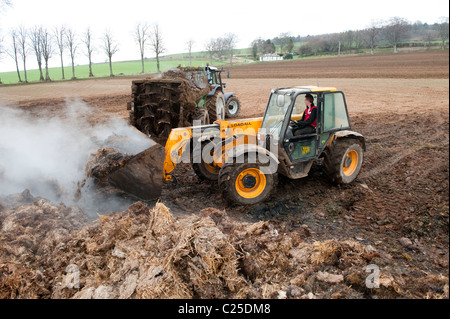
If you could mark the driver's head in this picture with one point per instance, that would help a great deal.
(309, 100)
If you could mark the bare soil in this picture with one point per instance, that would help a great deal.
(397, 209)
(407, 65)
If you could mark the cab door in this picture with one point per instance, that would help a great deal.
(304, 147)
(334, 117)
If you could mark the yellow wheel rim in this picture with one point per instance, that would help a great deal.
(350, 163)
(251, 183)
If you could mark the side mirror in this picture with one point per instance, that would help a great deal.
(281, 99)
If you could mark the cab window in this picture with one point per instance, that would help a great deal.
(334, 112)
(299, 107)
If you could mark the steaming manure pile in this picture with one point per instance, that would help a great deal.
(49, 251)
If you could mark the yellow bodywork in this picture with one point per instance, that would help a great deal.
(238, 131)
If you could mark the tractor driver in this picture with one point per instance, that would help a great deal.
(307, 125)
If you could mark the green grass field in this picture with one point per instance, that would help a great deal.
(102, 69)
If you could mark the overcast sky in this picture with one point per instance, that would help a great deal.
(180, 21)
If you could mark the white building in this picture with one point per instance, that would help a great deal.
(270, 57)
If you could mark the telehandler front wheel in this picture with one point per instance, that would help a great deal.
(245, 183)
(343, 160)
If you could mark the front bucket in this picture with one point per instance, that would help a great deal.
(142, 175)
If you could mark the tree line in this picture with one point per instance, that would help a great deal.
(43, 44)
(391, 32)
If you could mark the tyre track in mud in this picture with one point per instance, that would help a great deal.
(406, 182)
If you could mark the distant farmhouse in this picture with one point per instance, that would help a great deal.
(270, 57)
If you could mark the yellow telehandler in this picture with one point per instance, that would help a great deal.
(244, 156)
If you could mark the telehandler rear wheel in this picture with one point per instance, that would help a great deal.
(245, 183)
(206, 170)
(343, 160)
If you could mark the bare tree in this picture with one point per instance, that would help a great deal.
(110, 46)
(72, 45)
(257, 47)
(230, 43)
(22, 35)
(60, 34)
(5, 4)
(36, 45)
(359, 41)
(371, 34)
(14, 51)
(332, 44)
(157, 44)
(210, 48)
(396, 30)
(220, 48)
(347, 39)
(190, 45)
(89, 49)
(141, 34)
(443, 30)
(428, 37)
(47, 50)
(284, 40)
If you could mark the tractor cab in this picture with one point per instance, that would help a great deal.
(214, 76)
(232, 104)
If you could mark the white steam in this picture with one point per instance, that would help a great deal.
(48, 154)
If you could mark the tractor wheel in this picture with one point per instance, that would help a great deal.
(245, 183)
(216, 106)
(233, 107)
(343, 160)
(205, 170)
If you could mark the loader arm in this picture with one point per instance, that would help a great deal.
(179, 139)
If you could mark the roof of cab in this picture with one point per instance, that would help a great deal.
(306, 89)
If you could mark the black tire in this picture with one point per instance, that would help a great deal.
(343, 160)
(216, 106)
(233, 107)
(204, 170)
(258, 189)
